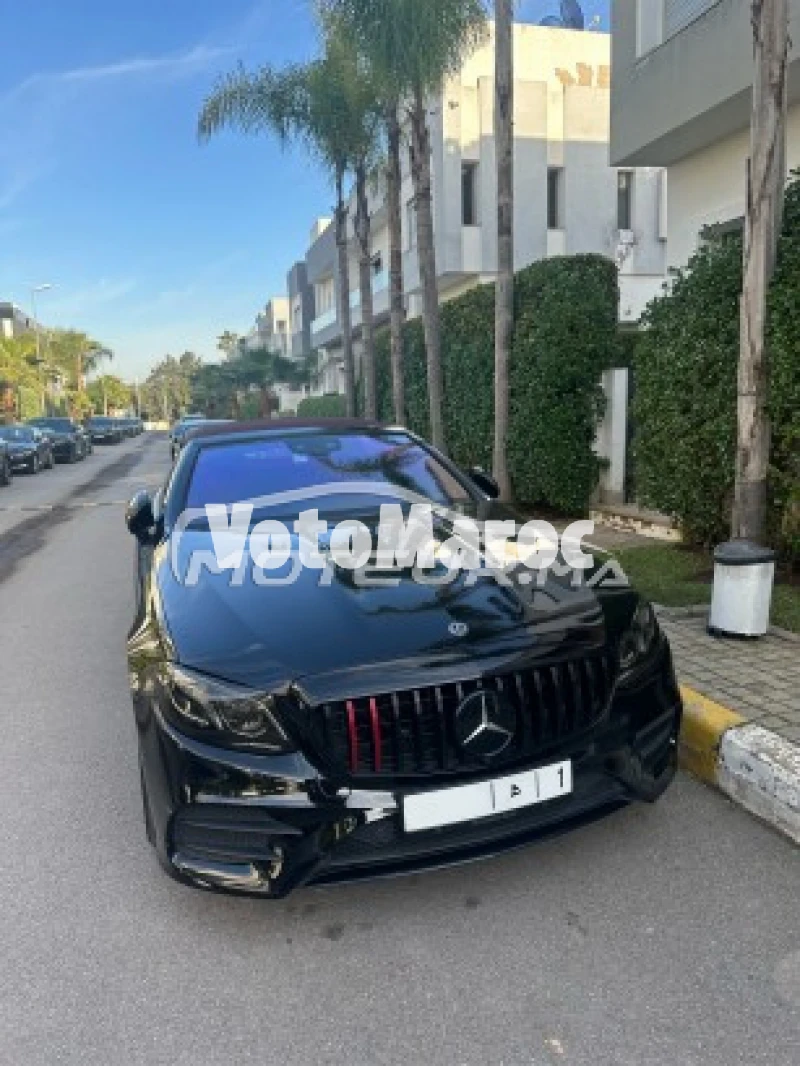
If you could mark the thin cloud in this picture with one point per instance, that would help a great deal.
(196, 59)
(89, 298)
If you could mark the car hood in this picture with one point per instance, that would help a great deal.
(269, 637)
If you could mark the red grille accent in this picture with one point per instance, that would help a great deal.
(352, 735)
(375, 721)
(411, 732)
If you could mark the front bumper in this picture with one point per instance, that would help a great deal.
(22, 461)
(267, 825)
(63, 450)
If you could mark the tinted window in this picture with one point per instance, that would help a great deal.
(233, 472)
(62, 424)
(16, 433)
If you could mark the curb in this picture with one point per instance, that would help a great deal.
(757, 769)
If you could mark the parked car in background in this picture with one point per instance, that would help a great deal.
(28, 448)
(182, 432)
(125, 426)
(69, 441)
(182, 422)
(104, 430)
(6, 471)
(87, 438)
(133, 426)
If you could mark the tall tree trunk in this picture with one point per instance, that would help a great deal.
(364, 238)
(765, 191)
(423, 196)
(504, 290)
(396, 308)
(344, 296)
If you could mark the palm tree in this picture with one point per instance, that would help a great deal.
(319, 105)
(397, 314)
(412, 46)
(504, 292)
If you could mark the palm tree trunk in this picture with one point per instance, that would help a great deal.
(344, 296)
(426, 250)
(504, 290)
(396, 308)
(766, 178)
(364, 238)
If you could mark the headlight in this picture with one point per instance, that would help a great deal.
(204, 704)
(638, 641)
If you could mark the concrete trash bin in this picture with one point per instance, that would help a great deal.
(744, 574)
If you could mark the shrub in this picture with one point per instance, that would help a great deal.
(322, 407)
(686, 382)
(564, 338)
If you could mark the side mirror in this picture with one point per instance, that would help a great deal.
(485, 482)
(139, 517)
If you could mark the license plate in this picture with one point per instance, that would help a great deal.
(451, 806)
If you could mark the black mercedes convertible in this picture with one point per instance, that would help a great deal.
(310, 711)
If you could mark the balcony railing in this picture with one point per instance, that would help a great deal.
(380, 282)
(324, 321)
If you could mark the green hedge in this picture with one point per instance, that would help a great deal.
(685, 402)
(322, 407)
(565, 336)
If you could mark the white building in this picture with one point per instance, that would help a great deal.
(272, 329)
(569, 198)
(14, 322)
(681, 99)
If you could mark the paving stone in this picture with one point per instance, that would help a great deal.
(760, 680)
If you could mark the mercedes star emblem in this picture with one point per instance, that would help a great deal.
(485, 724)
(458, 629)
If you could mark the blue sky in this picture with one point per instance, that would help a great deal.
(153, 243)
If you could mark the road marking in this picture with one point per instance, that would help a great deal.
(46, 507)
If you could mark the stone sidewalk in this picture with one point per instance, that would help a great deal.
(760, 680)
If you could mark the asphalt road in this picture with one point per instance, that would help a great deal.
(666, 935)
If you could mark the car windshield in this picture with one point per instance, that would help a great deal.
(236, 471)
(16, 433)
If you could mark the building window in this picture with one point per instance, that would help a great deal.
(324, 296)
(625, 200)
(555, 198)
(469, 194)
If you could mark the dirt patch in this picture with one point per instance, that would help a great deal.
(29, 536)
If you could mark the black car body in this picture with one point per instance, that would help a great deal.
(375, 703)
(127, 427)
(28, 448)
(69, 441)
(6, 470)
(104, 431)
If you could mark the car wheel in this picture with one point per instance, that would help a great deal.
(73, 454)
(35, 465)
(5, 473)
(51, 461)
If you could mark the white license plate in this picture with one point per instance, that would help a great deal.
(450, 806)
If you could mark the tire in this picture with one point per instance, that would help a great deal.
(73, 455)
(36, 465)
(6, 476)
(51, 461)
